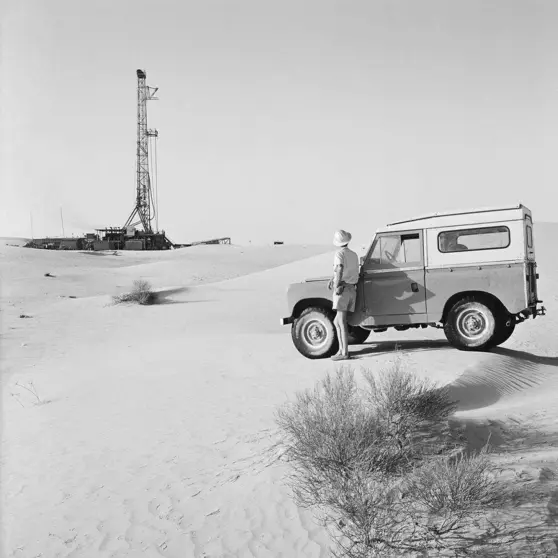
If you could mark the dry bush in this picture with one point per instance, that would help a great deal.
(376, 466)
(330, 432)
(414, 411)
(397, 391)
(140, 294)
(30, 389)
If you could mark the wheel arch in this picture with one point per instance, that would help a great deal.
(301, 305)
(481, 296)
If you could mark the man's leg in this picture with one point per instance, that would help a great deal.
(342, 331)
(338, 329)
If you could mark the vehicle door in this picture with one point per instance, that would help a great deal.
(393, 278)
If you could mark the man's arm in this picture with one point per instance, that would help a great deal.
(335, 282)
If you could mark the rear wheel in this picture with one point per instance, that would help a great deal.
(314, 334)
(470, 325)
(357, 335)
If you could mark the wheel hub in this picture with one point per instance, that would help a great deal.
(472, 324)
(315, 333)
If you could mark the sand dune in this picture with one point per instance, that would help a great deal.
(151, 434)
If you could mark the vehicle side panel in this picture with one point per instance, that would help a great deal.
(506, 281)
(307, 290)
(394, 296)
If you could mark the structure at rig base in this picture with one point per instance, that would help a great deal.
(145, 211)
(146, 208)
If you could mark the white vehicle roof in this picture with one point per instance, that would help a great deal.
(477, 216)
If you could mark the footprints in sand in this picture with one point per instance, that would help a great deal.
(240, 456)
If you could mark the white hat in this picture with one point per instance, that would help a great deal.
(341, 238)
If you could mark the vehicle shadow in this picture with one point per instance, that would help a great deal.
(374, 348)
(501, 373)
(528, 357)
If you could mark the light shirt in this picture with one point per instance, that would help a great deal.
(350, 262)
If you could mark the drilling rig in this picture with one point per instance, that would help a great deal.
(146, 205)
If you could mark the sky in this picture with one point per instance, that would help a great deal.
(277, 120)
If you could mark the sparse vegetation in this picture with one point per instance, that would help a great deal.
(381, 470)
(141, 294)
(29, 389)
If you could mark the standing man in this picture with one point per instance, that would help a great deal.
(343, 284)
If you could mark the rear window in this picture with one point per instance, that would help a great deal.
(485, 238)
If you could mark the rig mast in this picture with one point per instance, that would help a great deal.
(145, 208)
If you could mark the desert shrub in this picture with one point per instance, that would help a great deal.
(29, 389)
(446, 498)
(397, 391)
(413, 410)
(140, 294)
(376, 466)
(330, 433)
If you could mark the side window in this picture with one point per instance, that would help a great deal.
(485, 238)
(375, 256)
(396, 251)
(529, 236)
(411, 249)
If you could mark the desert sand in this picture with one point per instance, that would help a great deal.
(148, 435)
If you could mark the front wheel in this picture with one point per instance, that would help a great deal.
(314, 334)
(470, 325)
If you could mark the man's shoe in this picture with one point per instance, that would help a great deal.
(341, 357)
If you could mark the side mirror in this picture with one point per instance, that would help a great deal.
(361, 260)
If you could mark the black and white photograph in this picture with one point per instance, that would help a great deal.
(279, 278)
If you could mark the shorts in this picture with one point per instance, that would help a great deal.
(346, 301)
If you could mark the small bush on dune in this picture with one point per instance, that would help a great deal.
(140, 294)
(30, 389)
(414, 411)
(330, 433)
(360, 458)
(398, 391)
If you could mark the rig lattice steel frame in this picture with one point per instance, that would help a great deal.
(145, 208)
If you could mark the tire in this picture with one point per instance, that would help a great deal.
(504, 329)
(357, 335)
(314, 334)
(470, 325)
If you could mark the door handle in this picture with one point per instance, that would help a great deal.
(415, 287)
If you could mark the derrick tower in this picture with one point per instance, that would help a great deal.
(145, 209)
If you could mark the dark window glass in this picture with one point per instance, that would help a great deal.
(485, 238)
